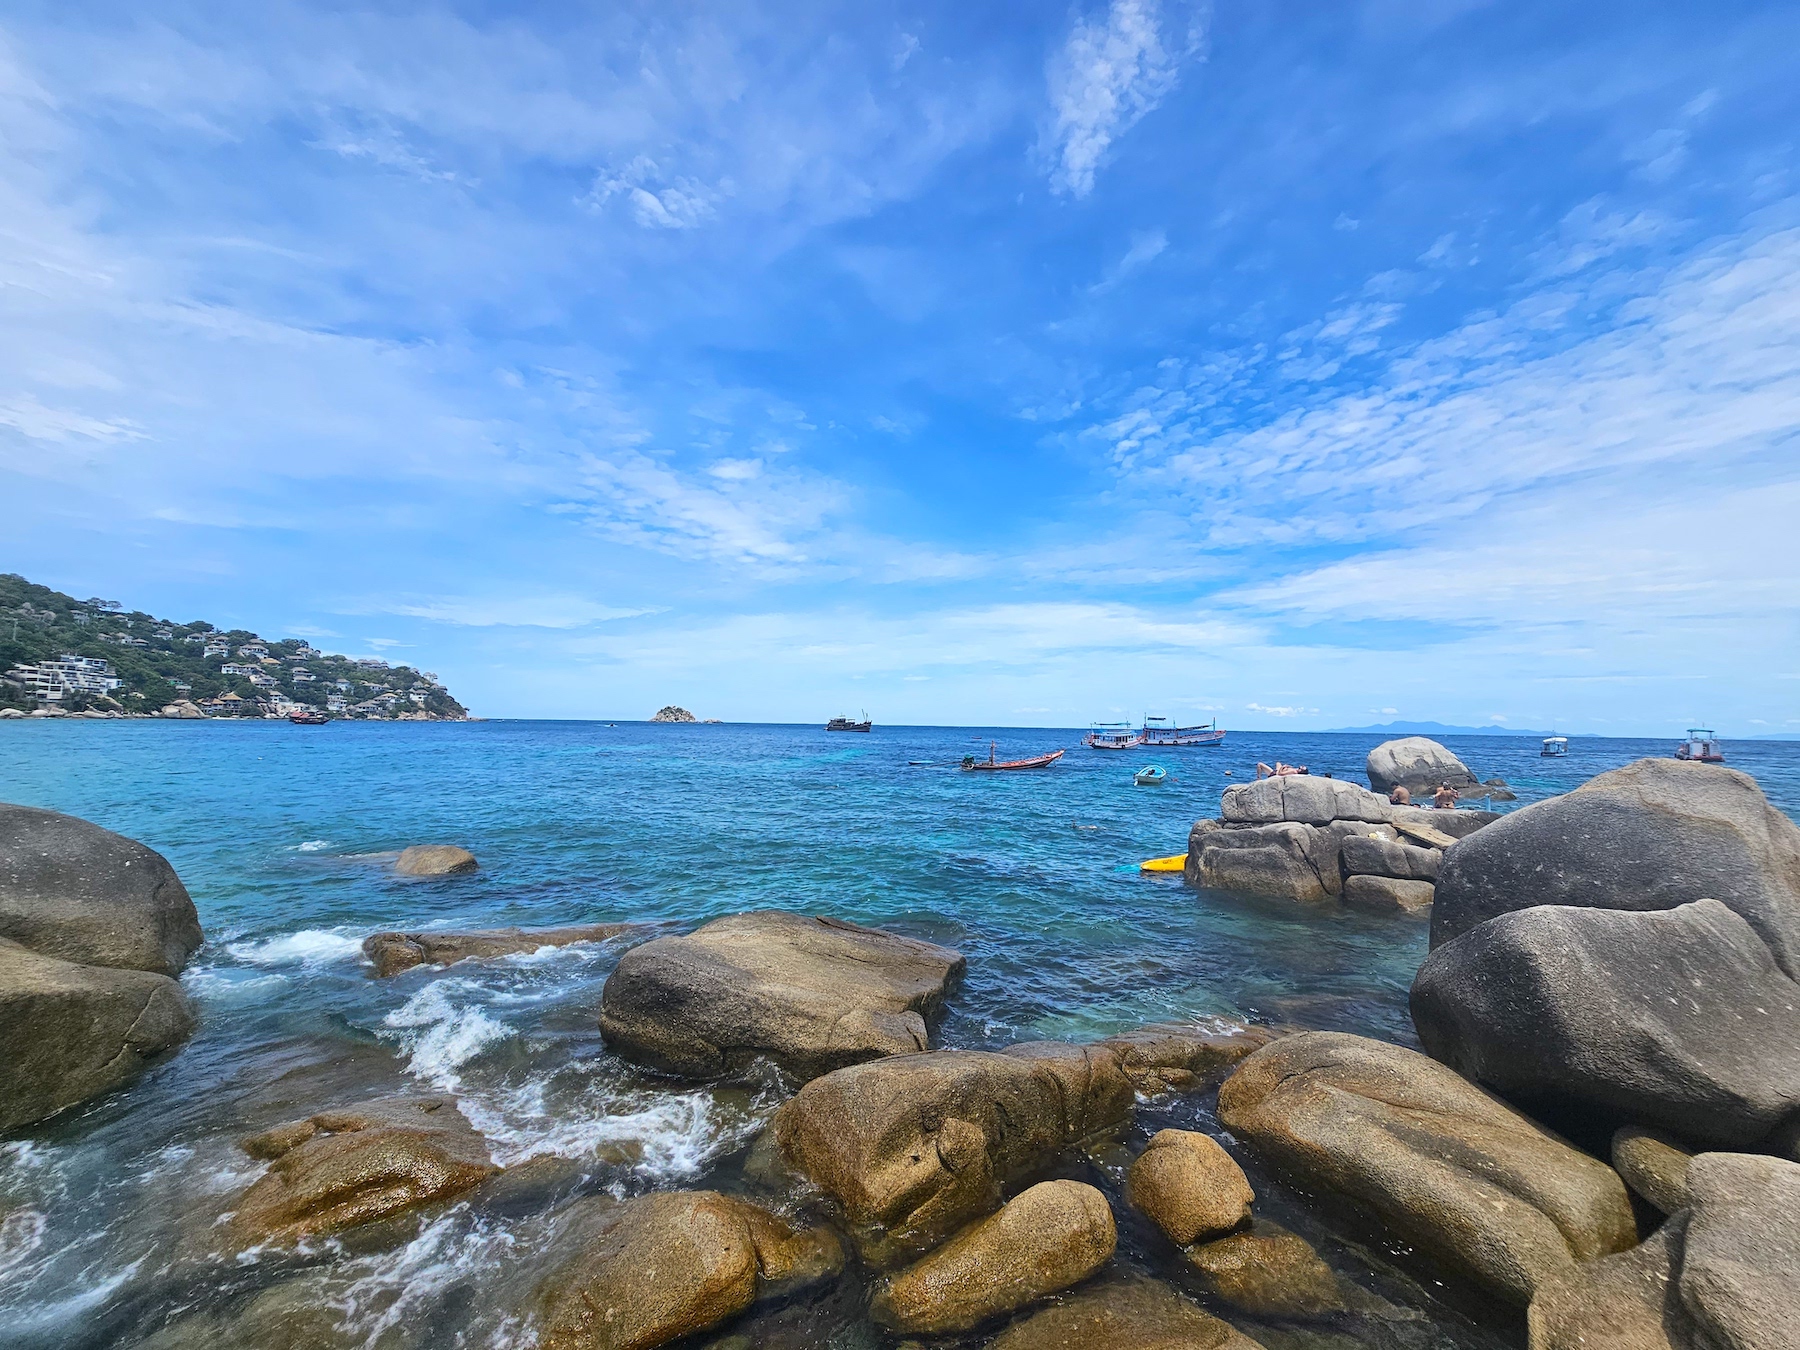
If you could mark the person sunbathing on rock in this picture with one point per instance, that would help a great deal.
(1279, 771)
(1444, 799)
(1400, 796)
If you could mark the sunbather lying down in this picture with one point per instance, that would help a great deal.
(1279, 771)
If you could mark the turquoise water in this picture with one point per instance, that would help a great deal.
(284, 834)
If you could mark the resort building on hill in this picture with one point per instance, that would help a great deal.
(233, 668)
(51, 682)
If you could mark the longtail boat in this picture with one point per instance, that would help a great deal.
(991, 765)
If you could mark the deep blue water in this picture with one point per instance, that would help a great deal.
(284, 836)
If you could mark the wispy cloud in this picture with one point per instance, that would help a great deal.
(525, 611)
(1109, 73)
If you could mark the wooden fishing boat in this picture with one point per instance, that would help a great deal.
(1151, 775)
(1157, 731)
(310, 718)
(1111, 736)
(847, 724)
(991, 765)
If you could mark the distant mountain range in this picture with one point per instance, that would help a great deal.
(1439, 729)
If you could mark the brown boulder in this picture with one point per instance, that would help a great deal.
(69, 1032)
(1130, 1313)
(394, 952)
(1189, 1186)
(1653, 1165)
(1269, 1272)
(1625, 1302)
(812, 994)
(435, 860)
(1049, 1237)
(338, 1169)
(1740, 1260)
(1443, 1165)
(666, 1265)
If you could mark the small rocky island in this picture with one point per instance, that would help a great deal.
(1598, 1147)
(670, 713)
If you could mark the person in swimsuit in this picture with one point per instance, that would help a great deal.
(1400, 796)
(1444, 799)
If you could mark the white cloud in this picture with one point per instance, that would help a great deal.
(526, 611)
(1107, 76)
(658, 201)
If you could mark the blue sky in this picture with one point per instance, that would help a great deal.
(1303, 365)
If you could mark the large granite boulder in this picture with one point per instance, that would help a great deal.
(340, 1169)
(1417, 764)
(1287, 860)
(913, 1147)
(392, 952)
(1447, 1168)
(69, 1032)
(435, 860)
(1047, 1238)
(1124, 1313)
(1650, 836)
(1189, 1186)
(73, 890)
(1675, 1018)
(1302, 799)
(1388, 895)
(1367, 856)
(812, 994)
(1268, 1272)
(1722, 1274)
(666, 1265)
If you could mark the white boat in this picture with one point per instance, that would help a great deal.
(1701, 744)
(1554, 746)
(1111, 736)
(1158, 731)
(1151, 775)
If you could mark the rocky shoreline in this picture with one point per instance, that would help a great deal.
(1599, 1145)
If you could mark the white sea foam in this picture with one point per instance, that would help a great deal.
(440, 1035)
(312, 846)
(308, 947)
(408, 1286)
(21, 1234)
(229, 984)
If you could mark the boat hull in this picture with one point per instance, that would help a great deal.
(1035, 762)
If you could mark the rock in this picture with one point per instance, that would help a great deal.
(1740, 1265)
(1128, 1313)
(69, 1032)
(435, 860)
(812, 994)
(1446, 1167)
(1386, 895)
(1624, 1302)
(670, 713)
(1189, 1186)
(1365, 857)
(73, 890)
(1651, 836)
(1269, 1272)
(1301, 799)
(182, 708)
(1288, 861)
(1653, 1165)
(392, 953)
(1674, 1018)
(338, 1169)
(1048, 1238)
(1417, 764)
(1457, 824)
(669, 1264)
(1172, 1055)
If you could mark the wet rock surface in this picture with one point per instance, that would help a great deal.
(811, 994)
(1476, 1186)
(393, 952)
(1189, 1186)
(669, 1264)
(435, 860)
(1675, 1018)
(1388, 895)
(1126, 1313)
(1046, 1239)
(72, 890)
(1269, 1272)
(343, 1168)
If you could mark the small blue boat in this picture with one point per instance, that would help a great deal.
(1151, 775)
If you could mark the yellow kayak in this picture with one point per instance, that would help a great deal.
(1172, 864)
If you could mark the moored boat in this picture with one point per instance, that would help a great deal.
(992, 765)
(1702, 745)
(1158, 731)
(1554, 746)
(1111, 736)
(310, 718)
(849, 724)
(1151, 775)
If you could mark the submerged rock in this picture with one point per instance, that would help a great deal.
(669, 1264)
(435, 860)
(1675, 1018)
(1388, 895)
(393, 952)
(1269, 1272)
(70, 1032)
(1129, 1313)
(1417, 764)
(1653, 1165)
(1189, 1186)
(339, 1169)
(1046, 1239)
(812, 994)
(1653, 835)
(1448, 1168)
(72, 890)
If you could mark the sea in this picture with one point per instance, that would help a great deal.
(285, 836)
